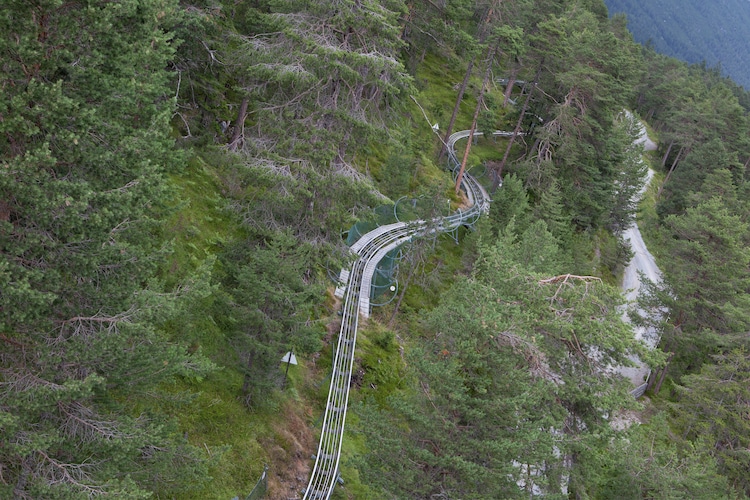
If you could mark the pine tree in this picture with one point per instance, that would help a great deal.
(272, 297)
(512, 379)
(713, 412)
(550, 209)
(510, 202)
(648, 461)
(707, 276)
(588, 73)
(630, 177)
(318, 93)
(84, 149)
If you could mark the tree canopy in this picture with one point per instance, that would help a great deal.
(177, 179)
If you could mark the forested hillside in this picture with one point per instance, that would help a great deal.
(178, 184)
(694, 31)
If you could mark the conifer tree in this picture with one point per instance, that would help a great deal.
(512, 378)
(713, 412)
(272, 297)
(84, 149)
(324, 76)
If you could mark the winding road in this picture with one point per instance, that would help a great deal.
(642, 263)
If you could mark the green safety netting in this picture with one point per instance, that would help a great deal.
(382, 215)
(385, 272)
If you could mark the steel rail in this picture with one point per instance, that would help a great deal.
(354, 288)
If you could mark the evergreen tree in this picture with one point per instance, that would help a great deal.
(319, 93)
(691, 174)
(549, 208)
(510, 203)
(272, 299)
(84, 149)
(588, 73)
(713, 412)
(648, 461)
(708, 279)
(629, 180)
(512, 379)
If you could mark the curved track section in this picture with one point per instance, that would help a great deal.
(354, 288)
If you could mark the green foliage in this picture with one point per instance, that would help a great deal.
(703, 160)
(85, 147)
(502, 363)
(271, 308)
(702, 228)
(115, 258)
(630, 178)
(709, 254)
(550, 208)
(313, 204)
(611, 255)
(509, 203)
(217, 421)
(85, 152)
(712, 411)
(200, 221)
(315, 94)
(588, 72)
(381, 362)
(397, 173)
(648, 461)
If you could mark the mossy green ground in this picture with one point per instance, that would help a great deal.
(215, 420)
(237, 441)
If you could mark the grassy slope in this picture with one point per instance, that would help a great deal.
(215, 420)
(239, 442)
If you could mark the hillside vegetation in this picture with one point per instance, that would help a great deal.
(178, 181)
(715, 33)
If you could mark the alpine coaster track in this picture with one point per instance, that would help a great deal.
(354, 288)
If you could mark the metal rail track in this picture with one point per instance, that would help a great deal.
(354, 288)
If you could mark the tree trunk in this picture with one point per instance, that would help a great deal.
(457, 106)
(671, 169)
(480, 101)
(465, 158)
(239, 126)
(482, 37)
(509, 86)
(499, 171)
(663, 375)
(407, 19)
(656, 379)
(666, 155)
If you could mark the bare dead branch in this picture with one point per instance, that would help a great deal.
(82, 423)
(54, 472)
